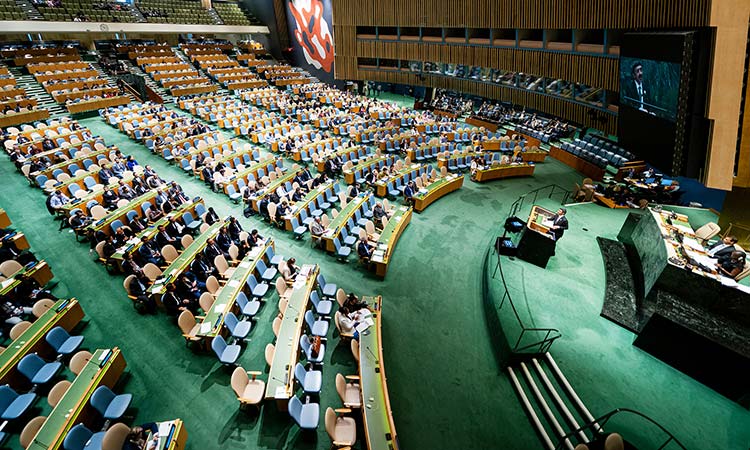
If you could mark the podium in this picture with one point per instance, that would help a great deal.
(537, 245)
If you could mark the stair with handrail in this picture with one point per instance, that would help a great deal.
(555, 408)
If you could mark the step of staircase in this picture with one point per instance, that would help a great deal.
(29, 9)
(135, 12)
(35, 90)
(215, 16)
(553, 407)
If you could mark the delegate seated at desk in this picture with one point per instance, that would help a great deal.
(731, 266)
(722, 248)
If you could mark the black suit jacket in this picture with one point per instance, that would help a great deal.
(562, 222)
(723, 252)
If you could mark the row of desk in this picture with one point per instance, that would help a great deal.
(213, 320)
(178, 266)
(504, 171)
(339, 222)
(386, 243)
(437, 189)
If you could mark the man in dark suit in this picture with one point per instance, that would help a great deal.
(211, 251)
(409, 191)
(634, 90)
(163, 238)
(148, 251)
(722, 248)
(364, 250)
(559, 224)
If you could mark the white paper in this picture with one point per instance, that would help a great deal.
(246, 264)
(233, 283)
(205, 328)
(280, 392)
(220, 308)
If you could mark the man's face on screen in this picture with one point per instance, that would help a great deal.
(638, 73)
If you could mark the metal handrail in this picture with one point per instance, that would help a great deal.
(522, 198)
(550, 334)
(596, 426)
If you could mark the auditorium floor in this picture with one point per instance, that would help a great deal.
(445, 386)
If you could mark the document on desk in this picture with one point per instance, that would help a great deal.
(693, 244)
(245, 264)
(364, 325)
(220, 307)
(205, 327)
(233, 283)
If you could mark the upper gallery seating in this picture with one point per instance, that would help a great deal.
(88, 11)
(232, 14)
(174, 11)
(10, 11)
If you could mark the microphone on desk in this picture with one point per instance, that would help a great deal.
(373, 355)
(279, 380)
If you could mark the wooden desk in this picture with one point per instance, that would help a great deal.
(78, 73)
(178, 438)
(304, 203)
(536, 244)
(19, 239)
(591, 170)
(4, 219)
(23, 117)
(437, 190)
(334, 228)
(479, 122)
(76, 202)
(103, 369)
(349, 177)
(40, 272)
(377, 415)
(280, 384)
(135, 243)
(506, 171)
(104, 223)
(225, 302)
(188, 90)
(272, 186)
(348, 151)
(95, 104)
(187, 256)
(267, 164)
(381, 187)
(64, 164)
(388, 238)
(64, 313)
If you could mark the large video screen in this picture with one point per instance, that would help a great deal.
(650, 86)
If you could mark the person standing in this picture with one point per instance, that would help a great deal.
(559, 224)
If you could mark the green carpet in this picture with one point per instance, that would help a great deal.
(445, 387)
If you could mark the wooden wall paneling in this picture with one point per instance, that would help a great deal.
(528, 13)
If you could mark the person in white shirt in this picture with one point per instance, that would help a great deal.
(58, 200)
(348, 320)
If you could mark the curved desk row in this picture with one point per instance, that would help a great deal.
(377, 415)
(388, 237)
(444, 186)
(506, 171)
